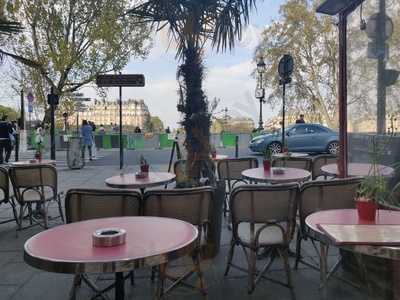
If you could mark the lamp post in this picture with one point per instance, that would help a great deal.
(260, 90)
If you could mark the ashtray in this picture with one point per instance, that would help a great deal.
(141, 175)
(278, 171)
(109, 237)
(32, 161)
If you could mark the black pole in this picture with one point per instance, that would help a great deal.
(260, 122)
(342, 91)
(77, 123)
(236, 146)
(52, 128)
(121, 142)
(381, 93)
(22, 122)
(283, 112)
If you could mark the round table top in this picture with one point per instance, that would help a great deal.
(130, 181)
(358, 169)
(220, 157)
(289, 175)
(290, 154)
(150, 241)
(350, 217)
(33, 162)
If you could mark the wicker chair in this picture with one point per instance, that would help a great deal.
(35, 184)
(192, 205)
(263, 217)
(86, 204)
(319, 161)
(231, 170)
(5, 197)
(323, 195)
(293, 162)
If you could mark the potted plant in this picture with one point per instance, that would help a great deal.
(267, 162)
(144, 166)
(372, 191)
(38, 153)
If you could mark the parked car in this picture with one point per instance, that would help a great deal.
(310, 138)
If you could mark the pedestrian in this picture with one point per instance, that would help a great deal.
(300, 120)
(13, 137)
(94, 149)
(102, 130)
(138, 130)
(87, 136)
(5, 141)
(167, 130)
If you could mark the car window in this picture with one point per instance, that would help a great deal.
(314, 129)
(298, 130)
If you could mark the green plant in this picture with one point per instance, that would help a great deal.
(143, 161)
(268, 154)
(373, 188)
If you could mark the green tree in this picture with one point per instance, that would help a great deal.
(155, 125)
(193, 23)
(67, 43)
(12, 114)
(312, 41)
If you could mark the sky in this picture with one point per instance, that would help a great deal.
(228, 75)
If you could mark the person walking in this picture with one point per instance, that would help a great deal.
(300, 120)
(94, 148)
(87, 136)
(5, 140)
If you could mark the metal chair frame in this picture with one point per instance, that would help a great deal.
(232, 181)
(5, 187)
(202, 225)
(78, 278)
(37, 187)
(316, 168)
(272, 250)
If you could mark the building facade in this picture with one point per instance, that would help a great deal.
(134, 113)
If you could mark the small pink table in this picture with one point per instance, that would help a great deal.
(150, 241)
(349, 217)
(33, 163)
(129, 181)
(219, 157)
(289, 175)
(358, 169)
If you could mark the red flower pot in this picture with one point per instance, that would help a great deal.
(285, 150)
(144, 168)
(366, 210)
(267, 165)
(38, 156)
(214, 154)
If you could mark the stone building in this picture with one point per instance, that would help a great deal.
(134, 113)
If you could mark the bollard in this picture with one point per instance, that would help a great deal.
(237, 146)
(16, 147)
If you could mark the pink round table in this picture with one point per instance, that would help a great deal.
(219, 157)
(358, 169)
(289, 175)
(350, 217)
(129, 181)
(150, 241)
(33, 162)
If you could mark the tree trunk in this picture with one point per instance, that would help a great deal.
(197, 120)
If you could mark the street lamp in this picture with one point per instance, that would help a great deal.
(260, 90)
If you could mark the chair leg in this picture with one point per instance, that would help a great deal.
(252, 270)
(12, 203)
(45, 220)
(230, 257)
(132, 277)
(196, 262)
(284, 253)
(161, 280)
(324, 268)
(30, 212)
(60, 208)
(298, 249)
(153, 274)
(21, 216)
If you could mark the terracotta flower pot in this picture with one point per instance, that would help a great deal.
(214, 154)
(267, 165)
(144, 169)
(38, 156)
(366, 210)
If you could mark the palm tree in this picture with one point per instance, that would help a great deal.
(192, 24)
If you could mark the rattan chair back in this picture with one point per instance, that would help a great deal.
(85, 204)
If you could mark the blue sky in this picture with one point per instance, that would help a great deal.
(228, 74)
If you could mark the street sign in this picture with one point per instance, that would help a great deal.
(30, 97)
(30, 108)
(125, 80)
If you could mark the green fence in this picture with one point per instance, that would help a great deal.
(107, 142)
(228, 139)
(135, 142)
(165, 142)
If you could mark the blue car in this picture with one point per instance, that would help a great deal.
(309, 138)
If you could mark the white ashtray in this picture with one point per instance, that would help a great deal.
(278, 171)
(109, 237)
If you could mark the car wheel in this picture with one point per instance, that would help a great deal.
(333, 148)
(275, 147)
